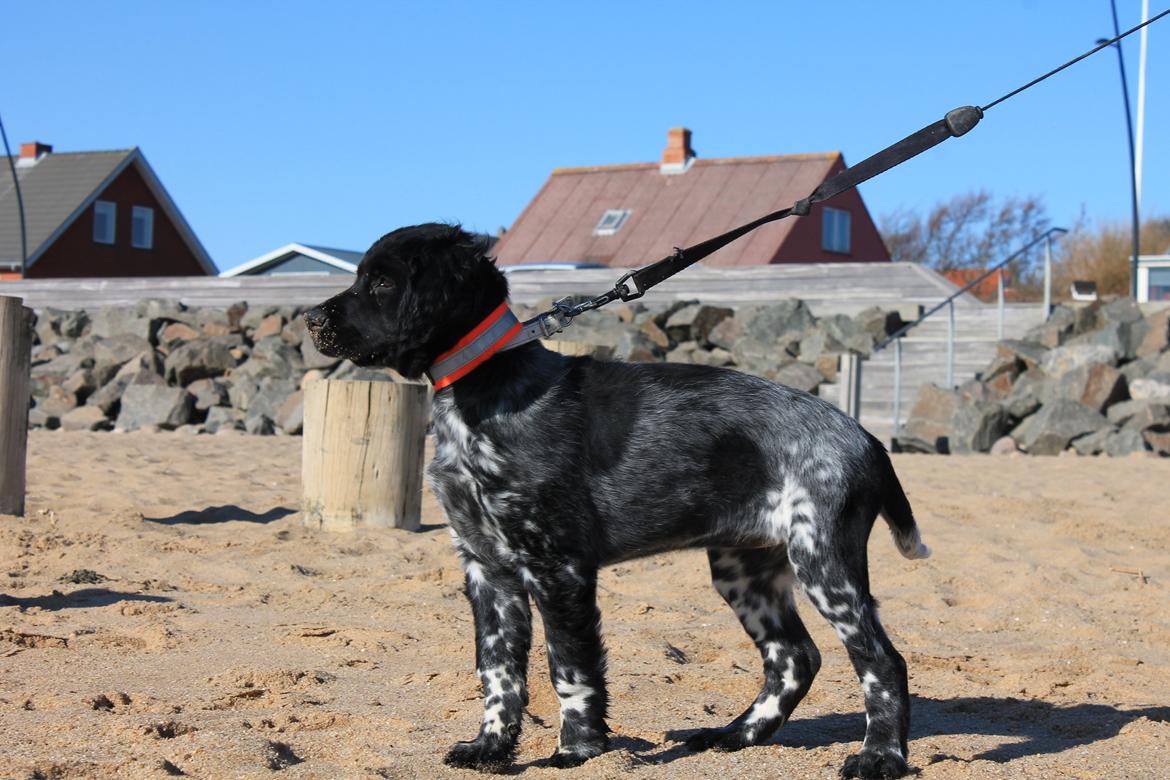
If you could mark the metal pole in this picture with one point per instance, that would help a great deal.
(1132, 158)
(951, 345)
(1141, 104)
(1047, 274)
(999, 291)
(897, 386)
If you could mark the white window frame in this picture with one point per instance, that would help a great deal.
(109, 213)
(146, 214)
(836, 231)
(611, 222)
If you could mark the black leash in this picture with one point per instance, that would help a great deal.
(634, 284)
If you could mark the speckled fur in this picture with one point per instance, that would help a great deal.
(550, 467)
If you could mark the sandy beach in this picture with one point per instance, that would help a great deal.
(164, 613)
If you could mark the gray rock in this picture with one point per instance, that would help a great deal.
(241, 391)
(976, 425)
(818, 343)
(290, 417)
(1124, 310)
(633, 347)
(682, 353)
(1026, 394)
(1064, 359)
(173, 334)
(878, 323)
(57, 402)
(756, 356)
(1120, 413)
(1149, 389)
(270, 397)
(295, 332)
(39, 418)
(1150, 416)
(1124, 442)
(81, 384)
(930, 418)
(252, 317)
(139, 371)
(259, 425)
(802, 376)
(85, 418)
(144, 406)
(222, 417)
(110, 321)
(1050, 430)
(1055, 330)
(1096, 385)
(1095, 442)
(1158, 440)
(695, 322)
(1136, 369)
(1157, 338)
(208, 393)
(772, 321)
(1004, 445)
(54, 324)
(717, 356)
(847, 333)
(726, 333)
(200, 359)
(110, 354)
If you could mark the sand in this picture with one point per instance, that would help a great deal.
(212, 636)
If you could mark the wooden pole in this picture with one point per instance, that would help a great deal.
(15, 358)
(362, 457)
(849, 381)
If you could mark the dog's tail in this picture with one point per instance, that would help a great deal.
(897, 513)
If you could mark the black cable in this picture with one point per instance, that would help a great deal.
(1053, 72)
(19, 201)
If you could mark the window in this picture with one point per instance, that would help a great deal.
(611, 222)
(1159, 284)
(104, 217)
(835, 231)
(142, 227)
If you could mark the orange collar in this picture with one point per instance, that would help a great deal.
(485, 339)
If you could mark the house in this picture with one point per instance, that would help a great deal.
(1153, 277)
(93, 214)
(299, 259)
(628, 215)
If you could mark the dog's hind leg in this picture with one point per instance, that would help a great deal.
(758, 584)
(836, 581)
(566, 595)
(503, 636)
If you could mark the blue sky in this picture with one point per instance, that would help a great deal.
(334, 123)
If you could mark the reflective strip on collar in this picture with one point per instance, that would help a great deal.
(485, 340)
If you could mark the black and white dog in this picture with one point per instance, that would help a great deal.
(550, 467)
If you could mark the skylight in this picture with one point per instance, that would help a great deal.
(611, 222)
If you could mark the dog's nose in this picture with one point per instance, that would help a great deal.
(314, 318)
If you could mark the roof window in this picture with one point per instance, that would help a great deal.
(611, 222)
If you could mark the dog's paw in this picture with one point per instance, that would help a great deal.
(487, 754)
(727, 738)
(872, 765)
(568, 757)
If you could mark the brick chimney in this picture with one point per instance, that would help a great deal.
(678, 154)
(32, 151)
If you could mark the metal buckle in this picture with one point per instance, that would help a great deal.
(623, 290)
(556, 319)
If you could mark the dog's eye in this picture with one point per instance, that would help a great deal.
(382, 283)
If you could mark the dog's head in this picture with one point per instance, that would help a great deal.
(418, 291)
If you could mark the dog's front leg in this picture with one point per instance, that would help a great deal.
(503, 636)
(566, 595)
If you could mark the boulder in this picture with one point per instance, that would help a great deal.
(976, 425)
(54, 324)
(1026, 394)
(1096, 385)
(270, 396)
(39, 418)
(110, 321)
(847, 332)
(295, 332)
(142, 370)
(799, 375)
(312, 359)
(1004, 445)
(772, 321)
(634, 346)
(85, 418)
(682, 353)
(1050, 430)
(199, 360)
(208, 393)
(1124, 442)
(145, 406)
(758, 357)
(1120, 413)
(930, 418)
(259, 425)
(817, 343)
(57, 402)
(220, 417)
(290, 417)
(1137, 369)
(695, 322)
(110, 354)
(717, 356)
(878, 323)
(657, 336)
(1064, 359)
(1150, 416)
(242, 390)
(176, 333)
(1150, 389)
(1157, 338)
(272, 325)
(1158, 440)
(1054, 331)
(1119, 310)
(726, 333)
(1094, 443)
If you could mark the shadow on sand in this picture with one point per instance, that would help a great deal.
(221, 514)
(78, 599)
(1029, 727)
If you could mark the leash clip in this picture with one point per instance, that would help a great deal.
(623, 290)
(556, 319)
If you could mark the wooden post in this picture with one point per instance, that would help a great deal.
(362, 457)
(849, 382)
(15, 354)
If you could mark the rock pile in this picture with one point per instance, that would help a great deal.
(1095, 380)
(160, 364)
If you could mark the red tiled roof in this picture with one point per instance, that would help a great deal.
(679, 209)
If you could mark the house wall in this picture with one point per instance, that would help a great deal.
(803, 244)
(75, 254)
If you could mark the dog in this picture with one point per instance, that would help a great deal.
(550, 467)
